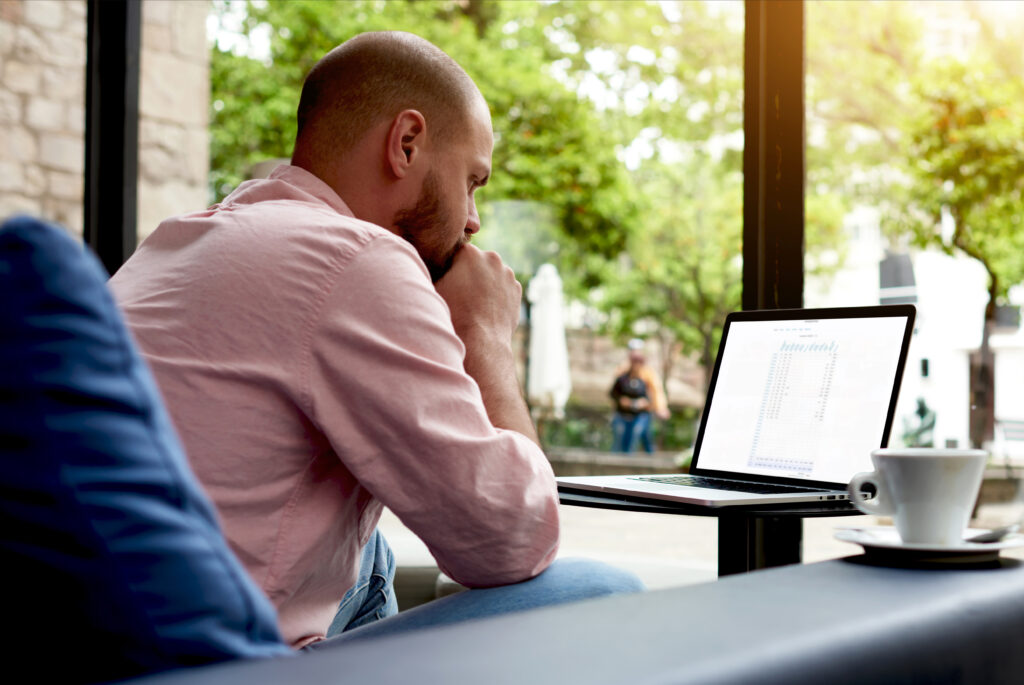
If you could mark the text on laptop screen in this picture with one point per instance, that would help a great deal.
(802, 399)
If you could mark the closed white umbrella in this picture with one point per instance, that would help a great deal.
(548, 383)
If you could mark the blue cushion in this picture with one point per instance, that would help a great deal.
(112, 558)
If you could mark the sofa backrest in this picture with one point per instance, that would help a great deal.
(113, 558)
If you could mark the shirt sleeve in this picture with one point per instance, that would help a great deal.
(387, 386)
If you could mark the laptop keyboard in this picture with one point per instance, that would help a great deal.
(720, 484)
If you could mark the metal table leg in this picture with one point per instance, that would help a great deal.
(748, 543)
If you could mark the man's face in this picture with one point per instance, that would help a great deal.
(444, 216)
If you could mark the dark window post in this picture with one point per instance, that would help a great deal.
(112, 128)
(773, 222)
(773, 155)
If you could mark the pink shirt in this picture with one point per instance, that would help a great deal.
(314, 376)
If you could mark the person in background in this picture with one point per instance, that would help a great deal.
(637, 393)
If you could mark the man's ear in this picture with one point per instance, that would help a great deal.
(406, 141)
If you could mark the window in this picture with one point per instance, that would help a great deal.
(914, 195)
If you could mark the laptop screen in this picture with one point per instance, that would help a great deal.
(803, 399)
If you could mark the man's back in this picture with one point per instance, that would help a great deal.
(313, 374)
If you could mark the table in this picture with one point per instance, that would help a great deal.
(749, 538)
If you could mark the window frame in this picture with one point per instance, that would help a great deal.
(773, 155)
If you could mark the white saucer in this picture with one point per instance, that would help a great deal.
(885, 542)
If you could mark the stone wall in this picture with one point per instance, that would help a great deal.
(595, 361)
(174, 97)
(42, 109)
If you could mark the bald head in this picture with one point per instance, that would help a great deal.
(371, 78)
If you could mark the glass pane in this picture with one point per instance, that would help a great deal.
(915, 167)
(617, 160)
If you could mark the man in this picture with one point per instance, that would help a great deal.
(329, 342)
(636, 392)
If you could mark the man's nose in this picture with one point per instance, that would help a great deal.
(473, 220)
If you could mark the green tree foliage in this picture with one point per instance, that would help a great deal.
(964, 192)
(892, 127)
(550, 143)
(858, 55)
(618, 136)
(670, 77)
(618, 130)
(966, 153)
(685, 273)
(930, 132)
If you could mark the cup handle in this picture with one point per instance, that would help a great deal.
(879, 504)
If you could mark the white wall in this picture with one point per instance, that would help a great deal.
(950, 314)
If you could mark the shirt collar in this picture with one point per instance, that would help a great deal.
(287, 182)
(311, 184)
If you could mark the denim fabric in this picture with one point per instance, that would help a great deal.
(566, 580)
(628, 429)
(108, 539)
(373, 596)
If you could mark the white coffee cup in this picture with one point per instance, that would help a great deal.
(929, 493)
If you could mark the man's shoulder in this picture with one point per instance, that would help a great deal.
(298, 226)
(280, 207)
(294, 207)
(279, 227)
(345, 239)
(296, 247)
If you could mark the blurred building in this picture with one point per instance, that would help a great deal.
(950, 295)
(42, 109)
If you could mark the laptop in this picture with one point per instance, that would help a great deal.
(798, 399)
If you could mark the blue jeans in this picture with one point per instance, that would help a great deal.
(373, 596)
(628, 428)
(565, 580)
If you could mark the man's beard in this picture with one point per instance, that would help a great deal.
(425, 221)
